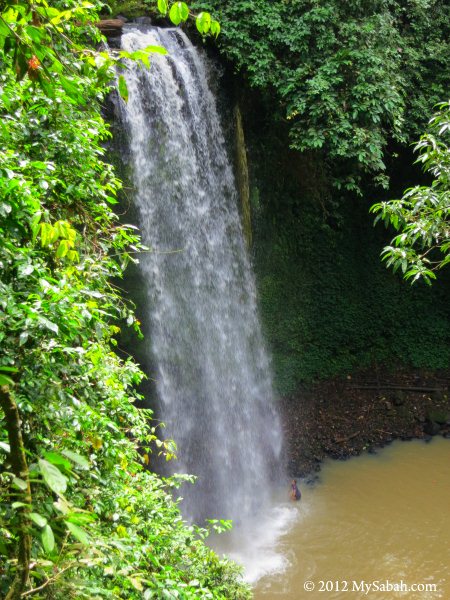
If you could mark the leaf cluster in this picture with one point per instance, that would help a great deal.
(347, 77)
(422, 215)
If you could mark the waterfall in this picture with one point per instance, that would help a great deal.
(213, 376)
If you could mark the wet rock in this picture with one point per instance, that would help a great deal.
(431, 428)
(336, 419)
(398, 398)
(438, 396)
(143, 20)
(115, 42)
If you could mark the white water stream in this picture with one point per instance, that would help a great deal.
(213, 374)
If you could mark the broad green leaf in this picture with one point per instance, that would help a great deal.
(123, 88)
(39, 520)
(5, 380)
(81, 461)
(15, 505)
(155, 49)
(63, 249)
(20, 483)
(81, 517)
(162, 7)
(175, 13)
(48, 539)
(35, 224)
(78, 533)
(203, 22)
(5, 447)
(49, 325)
(71, 90)
(57, 459)
(53, 477)
(215, 28)
(46, 85)
(184, 11)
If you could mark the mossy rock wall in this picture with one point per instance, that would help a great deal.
(328, 304)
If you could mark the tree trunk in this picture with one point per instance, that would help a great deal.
(20, 470)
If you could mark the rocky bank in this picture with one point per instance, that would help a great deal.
(343, 417)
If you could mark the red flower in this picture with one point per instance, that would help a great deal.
(33, 63)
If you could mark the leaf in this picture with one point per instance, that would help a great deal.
(72, 90)
(20, 483)
(46, 85)
(79, 460)
(23, 337)
(184, 11)
(5, 447)
(175, 13)
(81, 517)
(123, 88)
(155, 49)
(62, 506)
(49, 325)
(53, 477)
(48, 539)
(57, 459)
(78, 533)
(35, 222)
(38, 519)
(15, 505)
(63, 249)
(5, 380)
(203, 22)
(162, 7)
(215, 28)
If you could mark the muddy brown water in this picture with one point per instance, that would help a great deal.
(381, 521)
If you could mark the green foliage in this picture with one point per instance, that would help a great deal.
(349, 76)
(422, 214)
(101, 524)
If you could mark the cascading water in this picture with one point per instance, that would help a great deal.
(213, 374)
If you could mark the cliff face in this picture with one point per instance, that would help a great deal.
(328, 304)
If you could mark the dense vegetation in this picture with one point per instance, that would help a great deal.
(350, 77)
(81, 514)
